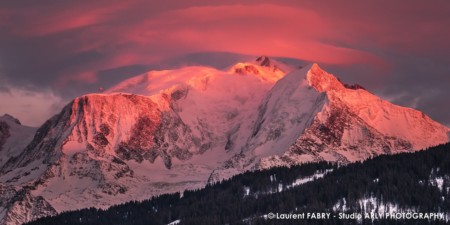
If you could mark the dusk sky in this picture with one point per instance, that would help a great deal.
(53, 51)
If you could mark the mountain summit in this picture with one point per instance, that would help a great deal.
(168, 131)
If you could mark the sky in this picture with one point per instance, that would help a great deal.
(53, 51)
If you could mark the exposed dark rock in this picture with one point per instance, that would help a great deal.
(354, 86)
(105, 129)
(113, 188)
(100, 140)
(141, 140)
(351, 86)
(11, 118)
(247, 69)
(180, 93)
(4, 133)
(21, 206)
(264, 61)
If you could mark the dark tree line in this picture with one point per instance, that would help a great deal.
(402, 179)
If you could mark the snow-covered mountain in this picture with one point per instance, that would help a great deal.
(350, 124)
(13, 137)
(168, 131)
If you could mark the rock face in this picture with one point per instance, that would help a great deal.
(22, 206)
(354, 124)
(168, 131)
(4, 133)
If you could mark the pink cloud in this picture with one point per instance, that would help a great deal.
(249, 29)
(42, 20)
(88, 77)
(140, 32)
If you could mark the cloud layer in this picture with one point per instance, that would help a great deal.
(400, 50)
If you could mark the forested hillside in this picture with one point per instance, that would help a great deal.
(410, 182)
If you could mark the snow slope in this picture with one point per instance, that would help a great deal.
(354, 124)
(385, 117)
(13, 137)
